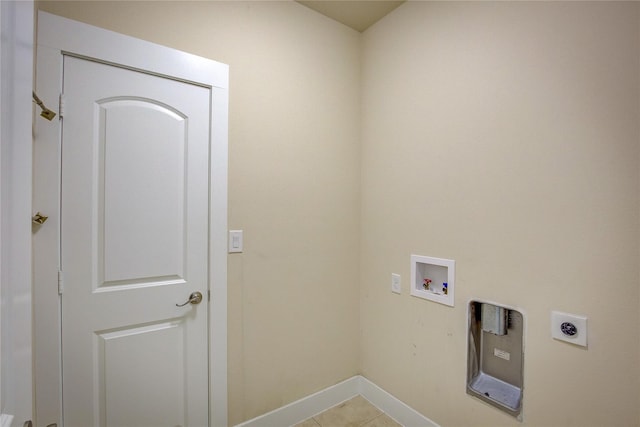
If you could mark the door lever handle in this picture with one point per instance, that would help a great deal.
(194, 298)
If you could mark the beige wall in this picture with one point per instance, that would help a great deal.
(504, 136)
(293, 183)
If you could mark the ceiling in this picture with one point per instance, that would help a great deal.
(358, 15)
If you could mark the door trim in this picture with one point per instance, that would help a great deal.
(16, 81)
(58, 36)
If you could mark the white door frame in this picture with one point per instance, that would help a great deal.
(16, 82)
(56, 36)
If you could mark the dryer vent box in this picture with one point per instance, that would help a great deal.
(495, 360)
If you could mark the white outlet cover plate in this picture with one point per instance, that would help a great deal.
(574, 326)
(395, 283)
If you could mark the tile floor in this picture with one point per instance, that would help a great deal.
(356, 412)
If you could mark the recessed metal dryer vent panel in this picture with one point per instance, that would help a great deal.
(496, 356)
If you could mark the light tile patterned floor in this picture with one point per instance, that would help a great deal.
(356, 412)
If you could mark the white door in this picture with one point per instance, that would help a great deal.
(134, 244)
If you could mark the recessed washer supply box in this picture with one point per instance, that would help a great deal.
(433, 279)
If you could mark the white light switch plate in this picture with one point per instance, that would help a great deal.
(395, 283)
(569, 327)
(235, 241)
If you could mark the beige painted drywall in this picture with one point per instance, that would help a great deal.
(502, 135)
(293, 183)
(505, 136)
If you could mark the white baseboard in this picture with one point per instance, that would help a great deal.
(392, 406)
(5, 420)
(309, 406)
(306, 407)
